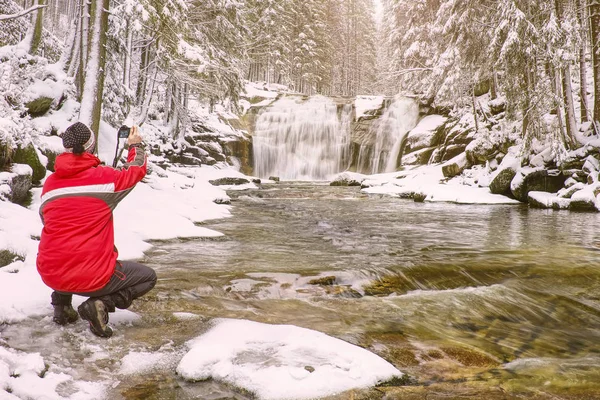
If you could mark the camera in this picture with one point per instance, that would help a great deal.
(124, 132)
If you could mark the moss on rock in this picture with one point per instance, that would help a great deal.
(39, 106)
(7, 257)
(28, 155)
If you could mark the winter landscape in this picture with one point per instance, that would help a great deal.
(345, 199)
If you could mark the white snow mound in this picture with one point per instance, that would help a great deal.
(275, 361)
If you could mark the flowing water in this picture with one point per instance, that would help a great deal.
(389, 131)
(302, 139)
(478, 302)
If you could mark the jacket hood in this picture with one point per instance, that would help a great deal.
(68, 164)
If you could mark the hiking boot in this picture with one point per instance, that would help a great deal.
(94, 311)
(64, 315)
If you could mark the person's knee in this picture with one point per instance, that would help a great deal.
(153, 279)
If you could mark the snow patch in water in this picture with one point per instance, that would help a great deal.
(281, 361)
(138, 362)
(185, 316)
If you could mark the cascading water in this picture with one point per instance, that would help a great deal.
(302, 140)
(400, 117)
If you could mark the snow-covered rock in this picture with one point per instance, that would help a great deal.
(427, 133)
(281, 361)
(536, 179)
(15, 185)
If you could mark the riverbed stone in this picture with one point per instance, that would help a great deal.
(323, 281)
(229, 181)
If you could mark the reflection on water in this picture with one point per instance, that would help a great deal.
(484, 302)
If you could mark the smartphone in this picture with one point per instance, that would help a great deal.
(124, 132)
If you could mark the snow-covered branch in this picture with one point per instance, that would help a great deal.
(22, 13)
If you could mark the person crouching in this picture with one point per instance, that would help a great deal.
(77, 254)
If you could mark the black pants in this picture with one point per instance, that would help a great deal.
(129, 281)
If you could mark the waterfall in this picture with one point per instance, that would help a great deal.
(297, 139)
(399, 118)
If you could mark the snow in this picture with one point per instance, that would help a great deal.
(184, 197)
(281, 361)
(429, 181)
(367, 103)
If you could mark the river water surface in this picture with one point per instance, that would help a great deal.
(471, 301)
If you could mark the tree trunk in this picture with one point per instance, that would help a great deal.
(93, 88)
(569, 108)
(474, 109)
(567, 91)
(559, 110)
(494, 93)
(83, 46)
(594, 12)
(583, 84)
(70, 48)
(142, 76)
(128, 50)
(38, 27)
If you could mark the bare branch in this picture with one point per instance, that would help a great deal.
(22, 13)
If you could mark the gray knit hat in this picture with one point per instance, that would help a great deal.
(78, 138)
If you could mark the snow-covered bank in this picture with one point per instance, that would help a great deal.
(427, 183)
(166, 205)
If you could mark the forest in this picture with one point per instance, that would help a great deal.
(135, 55)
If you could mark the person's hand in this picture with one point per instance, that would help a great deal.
(134, 136)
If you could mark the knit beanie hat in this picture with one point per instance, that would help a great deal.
(78, 138)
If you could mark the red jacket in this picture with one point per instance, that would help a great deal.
(77, 252)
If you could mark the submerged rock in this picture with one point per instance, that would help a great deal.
(347, 179)
(229, 181)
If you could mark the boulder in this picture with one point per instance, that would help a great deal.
(427, 133)
(585, 199)
(419, 157)
(547, 200)
(536, 179)
(28, 155)
(8, 257)
(455, 166)
(500, 183)
(497, 106)
(480, 150)
(39, 106)
(504, 174)
(51, 147)
(17, 182)
(568, 192)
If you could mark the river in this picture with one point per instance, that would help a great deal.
(471, 301)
